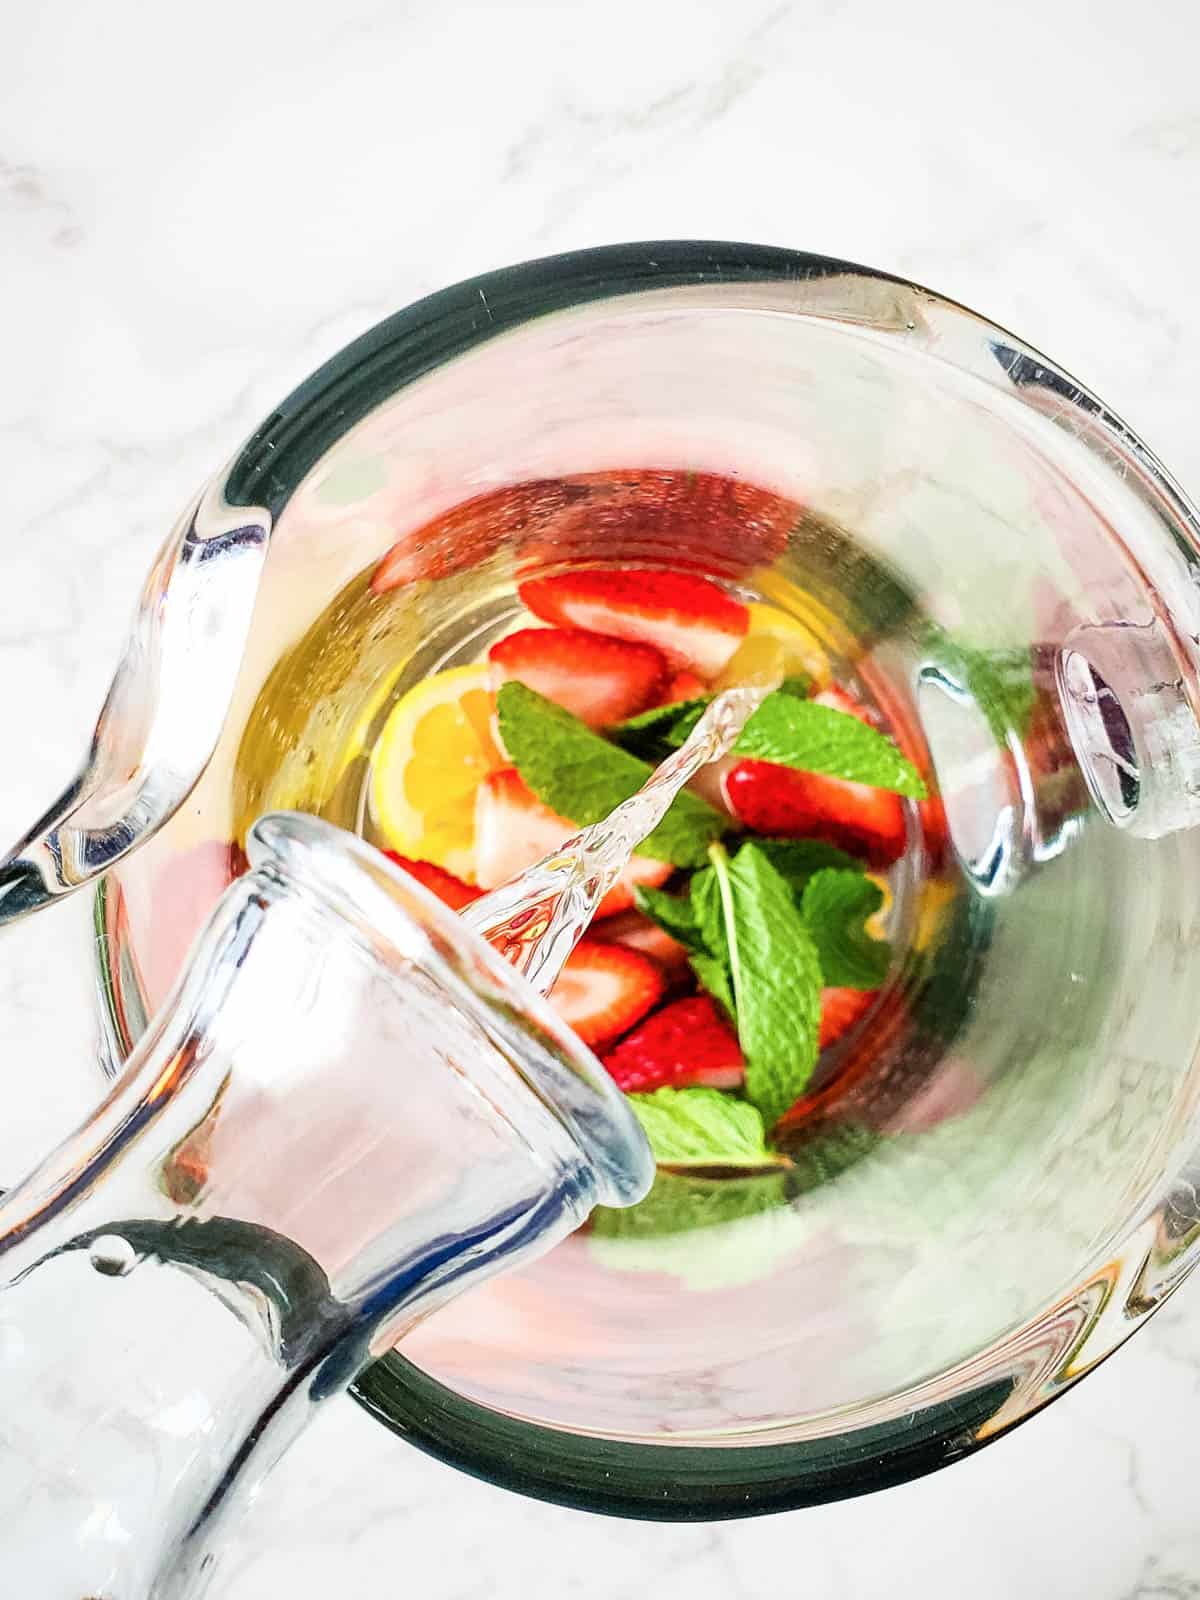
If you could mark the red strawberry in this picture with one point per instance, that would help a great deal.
(639, 933)
(686, 1043)
(604, 989)
(694, 623)
(697, 520)
(600, 680)
(513, 829)
(841, 1009)
(641, 515)
(839, 699)
(684, 686)
(788, 804)
(453, 891)
(783, 803)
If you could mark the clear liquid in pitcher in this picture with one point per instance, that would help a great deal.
(779, 976)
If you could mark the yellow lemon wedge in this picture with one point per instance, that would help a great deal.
(775, 645)
(435, 749)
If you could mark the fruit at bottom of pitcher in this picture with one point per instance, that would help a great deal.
(687, 1043)
(599, 680)
(692, 620)
(604, 989)
(720, 984)
(513, 829)
(450, 890)
(778, 802)
(435, 748)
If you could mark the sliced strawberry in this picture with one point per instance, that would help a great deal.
(697, 520)
(839, 699)
(841, 1009)
(684, 686)
(600, 680)
(453, 891)
(709, 783)
(513, 829)
(788, 804)
(639, 933)
(695, 624)
(684, 1044)
(604, 989)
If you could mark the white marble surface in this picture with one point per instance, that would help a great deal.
(197, 205)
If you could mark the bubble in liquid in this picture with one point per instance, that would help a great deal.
(112, 1255)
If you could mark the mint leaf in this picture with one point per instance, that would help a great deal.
(815, 738)
(714, 976)
(798, 859)
(821, 1157)
(681, 917)
(999, 681)
(579, 774)
(691, 711)
(701, 1128)
(708, 908)
(649, 733)
(836, 906)
(674, 913)
(776, 978)
(680, 1203)
(711, 966)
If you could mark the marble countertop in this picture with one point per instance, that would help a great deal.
(199, 205)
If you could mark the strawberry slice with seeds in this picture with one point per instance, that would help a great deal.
(695, 624)
(782, 802)
(685, 1044)
(840, 1010)
(786, 804)
(604, 989)
(597, 679)
(639, 933)
(450, 890)
(513, 829)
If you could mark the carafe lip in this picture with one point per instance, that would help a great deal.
(379, 904)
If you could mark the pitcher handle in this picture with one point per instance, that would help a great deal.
(164, 712)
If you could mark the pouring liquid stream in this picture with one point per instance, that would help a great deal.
(538, 918)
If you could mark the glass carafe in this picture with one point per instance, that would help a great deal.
(349, 1111)
(998, 1182)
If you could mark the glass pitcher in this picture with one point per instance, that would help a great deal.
(349, 1110)
(997, 1182)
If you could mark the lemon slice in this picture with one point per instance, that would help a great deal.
(435, 749)
(775, 645)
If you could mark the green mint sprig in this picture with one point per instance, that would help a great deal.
(816, 738)
(835, 906)
(702, 1128)
(681, 1202)
(798, 860)
(651, 734)
(776, 975)
(765, 932)
(578, 773)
